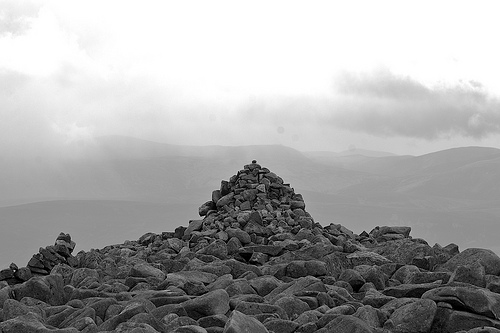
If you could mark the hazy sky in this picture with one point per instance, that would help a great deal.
(400, 76)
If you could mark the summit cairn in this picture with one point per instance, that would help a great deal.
(256, 261)
(257, 201)
(250, 208)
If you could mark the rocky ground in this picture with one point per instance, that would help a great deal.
(255, 262)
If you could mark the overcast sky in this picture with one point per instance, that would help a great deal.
(409, 77)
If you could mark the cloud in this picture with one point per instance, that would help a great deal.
(16, 16)
(384, 104)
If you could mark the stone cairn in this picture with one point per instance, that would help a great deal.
(255, 262)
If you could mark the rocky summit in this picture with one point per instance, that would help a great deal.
(255, 261)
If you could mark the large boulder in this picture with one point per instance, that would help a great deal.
(415, 317)
(346, 324)
(449, 321)
(476, 300)
(242, 323)
(212, 303)
(49, 289)
(487, 258)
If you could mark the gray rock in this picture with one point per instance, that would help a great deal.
(449, 320)
(29, 323)
(472, 274)
(476, 300)
(212, 303)
(254, 308)
(410, 290)
(49, 289)
(352, 277)
(346, 324)
(217, 249)
(292, 305)
(373, 317)
(281, 325)
(263, 285)
(128, 312)
(415, 317)
(225, 200)
(194, 225)
(242, 323)
(145, 270)
(242, 236)
(487, 258)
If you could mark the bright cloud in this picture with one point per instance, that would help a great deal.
(221, 72)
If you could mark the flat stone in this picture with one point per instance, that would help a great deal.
(271, 250)
(411, 290)
(476, 300)
(346, 324)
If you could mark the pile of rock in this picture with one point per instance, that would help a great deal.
(42, 262)
(257, 262)
(59, 253)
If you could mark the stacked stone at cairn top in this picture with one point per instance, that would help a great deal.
(257, 201)
(60, 253)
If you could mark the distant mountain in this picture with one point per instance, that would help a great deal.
(343, 159)
(122, 168)
(456, 173)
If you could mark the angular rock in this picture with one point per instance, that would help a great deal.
(346, 324)
(281, 325)
(373, 317)
(242, 236)
(411, 290)
(450, 321)
(146, 271)
(29, 323)
(487, 258)
(194, 225)
(352, 277)
(128, 312)
(241, 323)
(415, 317)
(472, 274)
(292, 306)
(49, 289)
(212, 303)
(476, 300)
(217, 249)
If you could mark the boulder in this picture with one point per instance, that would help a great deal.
(49, 289)
(242, 323)
(292, 306)
(281, 325)
(212, 303)
(346, 324)
(486, 258)
(476, 300)
(449, 321)
(29, 323)
(414, 317)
